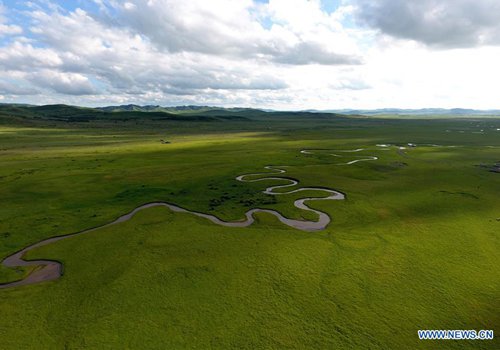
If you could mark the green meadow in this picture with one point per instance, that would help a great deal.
(415, 244)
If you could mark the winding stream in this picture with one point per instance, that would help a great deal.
(49, 270)
(363, 158)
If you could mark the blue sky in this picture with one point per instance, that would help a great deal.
(283, 54)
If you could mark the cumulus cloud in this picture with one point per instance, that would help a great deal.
(5, 27)
(65, 83)
(20, 56)
(313, 52)
(281, 54)
(12, 87)
(235, 29)
(123, 60)
(439, 23)
(166, 48)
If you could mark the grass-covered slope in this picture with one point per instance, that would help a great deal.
(60, 114)
(414, 246)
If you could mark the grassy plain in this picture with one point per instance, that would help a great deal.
(416, 244)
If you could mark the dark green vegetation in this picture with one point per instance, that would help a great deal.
(415, 246)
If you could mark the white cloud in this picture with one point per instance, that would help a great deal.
(19, 56)
(438, 23)
(5, 28)
(64, 83)
(9, 29)
(12, 87)
(283, 54)
(124, 61)
(234, 29)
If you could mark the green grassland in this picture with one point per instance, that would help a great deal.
(415, 245)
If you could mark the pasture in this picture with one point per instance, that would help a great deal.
(414, 245)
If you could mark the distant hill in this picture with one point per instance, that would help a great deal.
(214, 110)
(175, 109)
(75, 114)
(136, 114)
(60, 115)
(414, 112)
(130, 108)
(366, 112)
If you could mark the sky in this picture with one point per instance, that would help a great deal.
(276, 54)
